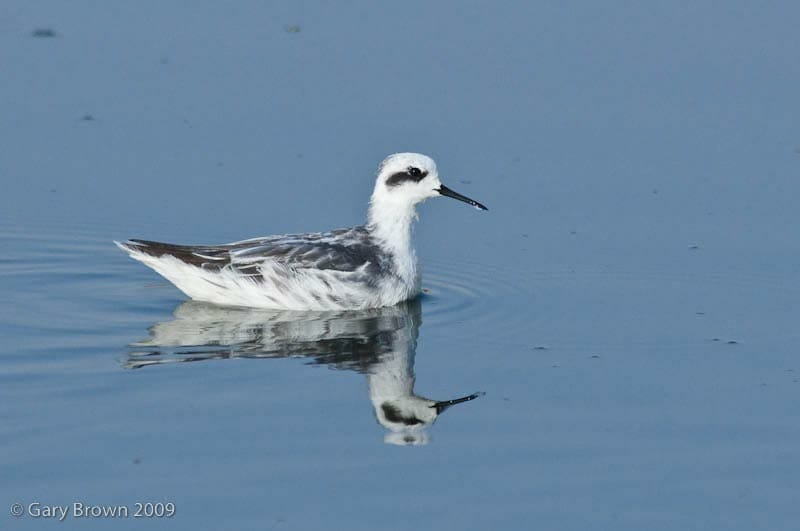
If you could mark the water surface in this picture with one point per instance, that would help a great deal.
(628, 304)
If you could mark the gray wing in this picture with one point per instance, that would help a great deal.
(345, 250)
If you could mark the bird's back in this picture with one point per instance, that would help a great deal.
(340, 269)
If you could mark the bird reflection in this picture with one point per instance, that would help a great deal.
(379, 343)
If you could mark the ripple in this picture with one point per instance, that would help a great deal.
(589, 309)
(54, 272)
(471, 291)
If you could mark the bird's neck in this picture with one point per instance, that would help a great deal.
(390, 223)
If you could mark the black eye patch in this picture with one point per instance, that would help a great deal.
(411, 174)
(393, 414)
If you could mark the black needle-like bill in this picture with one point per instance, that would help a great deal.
(444, 404)
(445, 191)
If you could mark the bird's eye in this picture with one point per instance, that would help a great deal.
(412, 174)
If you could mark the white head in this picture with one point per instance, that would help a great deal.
(405, 179)
(407, 416)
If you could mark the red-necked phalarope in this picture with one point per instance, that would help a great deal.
(368, 266)
(380, 343)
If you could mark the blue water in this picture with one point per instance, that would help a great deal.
(628, 304)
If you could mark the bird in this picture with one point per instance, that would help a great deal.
(380, 343)
(366, 266)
